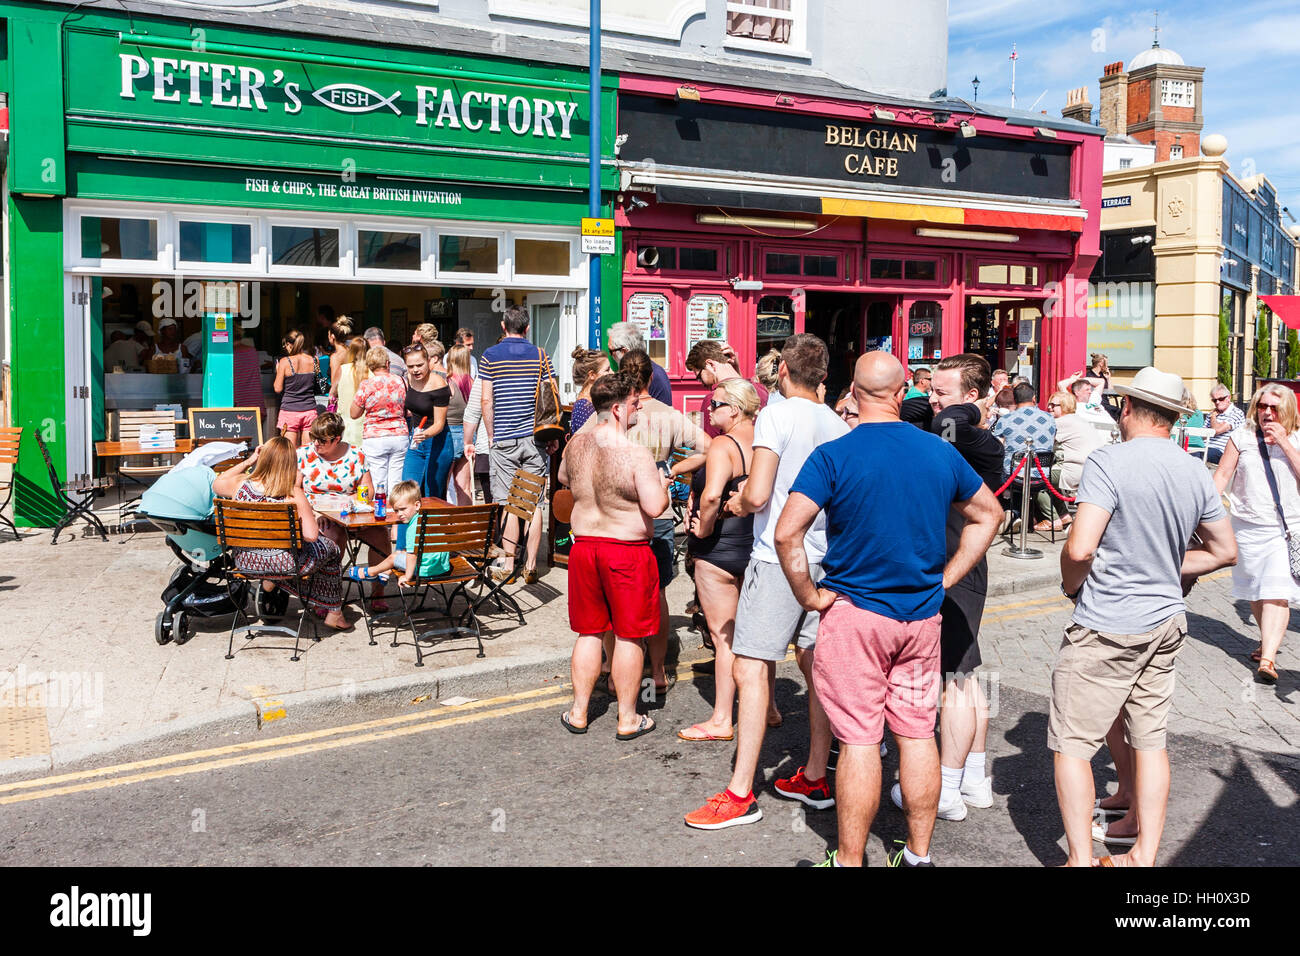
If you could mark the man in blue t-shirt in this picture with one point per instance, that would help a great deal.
(884, 577)
(510, 371)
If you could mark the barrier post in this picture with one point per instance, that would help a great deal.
(1024, 552)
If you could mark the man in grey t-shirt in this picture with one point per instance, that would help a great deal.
(1126, 565)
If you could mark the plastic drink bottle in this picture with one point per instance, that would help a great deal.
(381, 505)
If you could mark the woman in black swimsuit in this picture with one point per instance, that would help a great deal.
(721, 544)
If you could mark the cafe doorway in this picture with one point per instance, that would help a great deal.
(1008, 332)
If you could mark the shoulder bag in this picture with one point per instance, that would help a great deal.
(546, 405)
(1292, 544)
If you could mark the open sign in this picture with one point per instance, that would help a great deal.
(921, 327)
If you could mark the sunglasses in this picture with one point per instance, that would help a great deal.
(1221, 399)
(1274, 407)
(714, 404)
(1053, 404)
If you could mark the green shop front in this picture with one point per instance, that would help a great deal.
(246, 184)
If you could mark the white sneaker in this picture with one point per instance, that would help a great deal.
(954, 811)
(978, 794)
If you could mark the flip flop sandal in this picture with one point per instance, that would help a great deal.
(641, 729)
(1267, 672)
(1105, 861)
(1098, 808)
(571, 727)
(704, 738)
(1100, 834)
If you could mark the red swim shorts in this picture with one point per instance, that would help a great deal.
(613, 585)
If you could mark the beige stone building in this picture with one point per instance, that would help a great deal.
(1185, 242)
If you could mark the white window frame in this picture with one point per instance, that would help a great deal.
(346, 256)
(258, 248)
(428, 238)
(1185, 94)
(72, 240)
(262, 220)
(471, 230)
(1176, 151)
(576, 263)
(796, 46)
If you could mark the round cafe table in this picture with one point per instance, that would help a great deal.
(355, 522)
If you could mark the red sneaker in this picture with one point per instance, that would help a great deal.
(722, 811)
(815, 793)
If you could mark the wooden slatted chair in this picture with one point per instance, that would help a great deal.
(464, 534)
(522, 500)
(83, 489)
(268, 525)
(10, 439)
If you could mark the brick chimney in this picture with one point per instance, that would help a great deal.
(1112, 113)
(1077, 106)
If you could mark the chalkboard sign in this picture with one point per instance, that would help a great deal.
(226, 424)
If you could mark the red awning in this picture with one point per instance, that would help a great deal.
(1285, 307)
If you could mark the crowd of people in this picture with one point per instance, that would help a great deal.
(793, 502)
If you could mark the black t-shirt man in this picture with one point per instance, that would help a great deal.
(959, 425)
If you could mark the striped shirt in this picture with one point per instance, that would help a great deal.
(512, 367)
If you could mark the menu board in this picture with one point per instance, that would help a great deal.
(226, 424)
(706, 318)
(649, 313)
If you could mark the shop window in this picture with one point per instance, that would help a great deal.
(924, 331)
(217, 242)
(542, 257)
(692, 259)
(824, 267)
(774, 323)
(305, 246)
(782, 264)
(388, 250)
(920, 270)
(656, 257)
(1007, 273)
(104, 238)
(905, 270)
(887, 269)
(468, 254)
(706, 318)
(648, 311)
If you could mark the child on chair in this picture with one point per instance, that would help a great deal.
(405, 502)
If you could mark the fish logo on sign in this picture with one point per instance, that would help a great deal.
(352, 98)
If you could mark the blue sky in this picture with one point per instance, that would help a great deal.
(1250, 50)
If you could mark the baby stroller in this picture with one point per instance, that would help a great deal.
(180, 505)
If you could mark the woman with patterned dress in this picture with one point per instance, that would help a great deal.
(274, 477)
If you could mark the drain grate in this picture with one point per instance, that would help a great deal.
(23, 731)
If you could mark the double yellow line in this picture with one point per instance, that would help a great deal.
(290, 745)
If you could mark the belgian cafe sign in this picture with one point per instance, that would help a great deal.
(871, 138)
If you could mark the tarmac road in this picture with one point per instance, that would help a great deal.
(501, 782)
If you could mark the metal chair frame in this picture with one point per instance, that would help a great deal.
(10, 444)
(464, 533)
(522, 500)
(73, 509)
(263, 525)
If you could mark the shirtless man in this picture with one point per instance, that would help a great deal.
(613, 578)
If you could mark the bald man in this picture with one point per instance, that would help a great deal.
(877, 656)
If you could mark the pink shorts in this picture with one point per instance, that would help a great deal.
(296, 421)
(870, 669)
